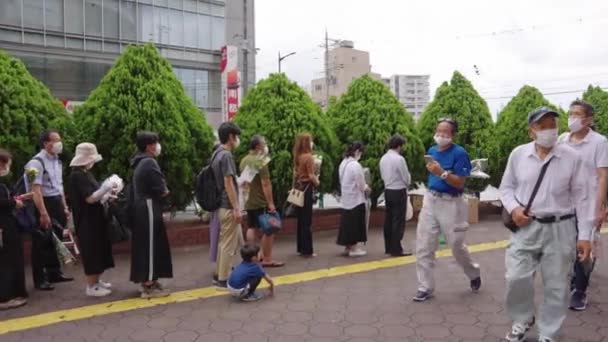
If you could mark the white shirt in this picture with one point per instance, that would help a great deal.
(561, 191)
(352, 183)
(593, 150)
(394, 172)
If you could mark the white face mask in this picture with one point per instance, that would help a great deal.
(5, 172)
(57, 147)
(442, 141)
(157, 150)
(266, 150)
(575, 124)
(237, 142)
(546, 138)
(357, 155)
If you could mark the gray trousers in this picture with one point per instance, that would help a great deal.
(551, 248)
(449, 216)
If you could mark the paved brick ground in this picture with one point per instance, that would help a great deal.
(371, 306)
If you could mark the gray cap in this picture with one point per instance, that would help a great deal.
(539, 113)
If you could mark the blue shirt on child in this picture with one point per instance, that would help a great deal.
(456, 160)
(243, 273)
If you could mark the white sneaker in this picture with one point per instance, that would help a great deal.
(97, 291)
(104, 284)
(357, 253)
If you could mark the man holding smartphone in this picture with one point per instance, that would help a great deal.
(444, 210)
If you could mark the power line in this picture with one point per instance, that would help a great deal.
(546, 94)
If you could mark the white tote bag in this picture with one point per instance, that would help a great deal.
(409, 212)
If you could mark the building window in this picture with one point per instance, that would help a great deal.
(128, 21)
(318, 87)
(10, 12)
(110, 19)
(32, 14)
(92, 11)
(53, 15)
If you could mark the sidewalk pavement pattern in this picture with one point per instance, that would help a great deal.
(327, 298)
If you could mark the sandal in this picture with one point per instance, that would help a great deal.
(273, 264)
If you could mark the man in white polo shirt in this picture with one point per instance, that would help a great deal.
(546, 235)
(593, 150)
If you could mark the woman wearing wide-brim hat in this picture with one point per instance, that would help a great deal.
(86, 198)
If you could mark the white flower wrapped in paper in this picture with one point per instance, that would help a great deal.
(318, 160)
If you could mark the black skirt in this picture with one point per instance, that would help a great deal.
(352, 226)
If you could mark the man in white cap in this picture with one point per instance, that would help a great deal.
(593, 150)
(546, 234)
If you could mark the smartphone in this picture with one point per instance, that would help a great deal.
(428, 159)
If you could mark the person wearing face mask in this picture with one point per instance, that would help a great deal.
(353, 192)
(49, 199)
(229, 212)
(13, 293)
(86, 198)
(396, 178)
(260, 198)
(305, 179)
(150, 250)
(546, 237)
(444, 210)
(593, 150)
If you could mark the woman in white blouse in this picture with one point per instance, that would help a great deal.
(353, 196)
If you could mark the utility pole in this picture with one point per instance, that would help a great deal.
(245, 50)
(326, 69)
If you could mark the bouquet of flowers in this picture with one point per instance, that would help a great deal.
(247, 175)
(30, 174)
(318, 162)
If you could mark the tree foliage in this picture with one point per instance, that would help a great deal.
(460, 101)
(370, 113)
(141, 92)
(512, 127)
(279, 110)
(27, 108)
(599, 99)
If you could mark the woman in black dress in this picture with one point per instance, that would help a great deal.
(12, 273)
(86, 198)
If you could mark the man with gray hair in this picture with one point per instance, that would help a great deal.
(541, 188)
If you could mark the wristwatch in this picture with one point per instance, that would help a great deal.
(445, 175)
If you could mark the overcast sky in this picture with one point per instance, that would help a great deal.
(555, 45)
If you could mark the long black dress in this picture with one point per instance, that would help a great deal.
(90, 223)
(12, 266)
(150, 251)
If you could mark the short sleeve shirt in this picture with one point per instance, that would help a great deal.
(244, 273)
(223, 166)
(51, 181)
(256, 199)
(456, 160)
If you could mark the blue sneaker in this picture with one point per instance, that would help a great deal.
(253, 297)
(578, 302)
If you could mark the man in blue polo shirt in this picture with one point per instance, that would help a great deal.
(444, 210)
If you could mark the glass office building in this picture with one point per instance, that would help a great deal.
(70, 44)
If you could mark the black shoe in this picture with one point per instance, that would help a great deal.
(422, 296)
(221, 284)
(402, 254)
(60, 278)
(578, 302)
(475, 284)
(45, 286)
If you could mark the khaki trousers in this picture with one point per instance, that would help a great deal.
(231, 239)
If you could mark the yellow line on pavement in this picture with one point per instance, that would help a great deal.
(40, 320)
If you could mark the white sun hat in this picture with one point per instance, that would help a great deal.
(86, 153)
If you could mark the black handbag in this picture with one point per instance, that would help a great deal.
(507, 219)
(117, 231)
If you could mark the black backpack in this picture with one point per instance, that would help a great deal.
(206, 191)
(26, 217)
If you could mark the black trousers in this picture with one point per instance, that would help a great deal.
(45, 262)
(394, 220)
(304, 228)
(253, 285)
(582, 274)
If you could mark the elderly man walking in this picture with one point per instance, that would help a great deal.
(541, 188)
